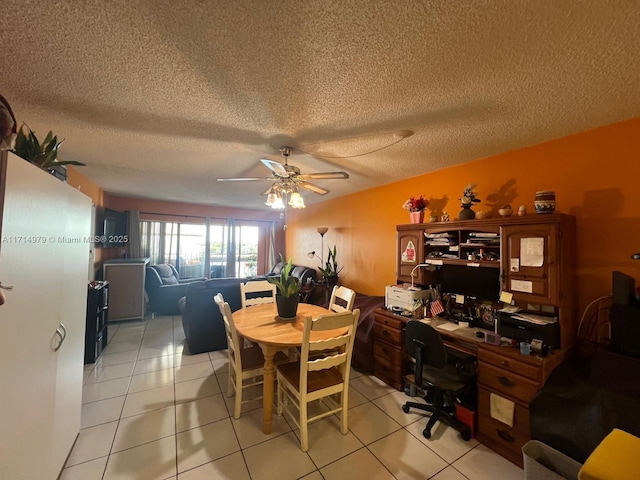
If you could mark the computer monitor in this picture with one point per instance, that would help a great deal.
(481, 283)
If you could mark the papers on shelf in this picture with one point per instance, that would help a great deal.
(533, 318)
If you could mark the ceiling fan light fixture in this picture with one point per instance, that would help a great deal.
(271, 198)
(296, 200)
(278, 204)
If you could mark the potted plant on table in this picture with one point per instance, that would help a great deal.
(288, 288)
(331, 272)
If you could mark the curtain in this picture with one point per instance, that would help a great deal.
(135, 242)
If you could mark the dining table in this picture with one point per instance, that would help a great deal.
(262, 325)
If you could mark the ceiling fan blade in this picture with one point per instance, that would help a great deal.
(326, 175)
(313, 188)
(243, 179)
(275, 167)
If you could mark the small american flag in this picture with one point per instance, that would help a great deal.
(436, 307)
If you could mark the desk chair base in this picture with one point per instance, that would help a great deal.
(439, 412)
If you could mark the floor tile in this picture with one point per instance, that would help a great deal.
(107, 358)
(91, 470)
(369, 423)
(148, 400)
(123, 346)
(371, 387)
(231, 467)
(392, 404)
(220, 360)
(92, 392)
(198, 388)
(200, 412)
(314, 476)
(248, 428)
(363, 462)
(92, 443)
(112, 372)
(195, 370)
(449, 473)
(356, 398)
(157, 351)
(145, 428)
(205, 444)
(151, 461)
(445, 440)
(181, 359)
(102, 411)
(326, 442)
(265, 460)
(153, 364)
(481, 463)
(146, 381)
(406, 457)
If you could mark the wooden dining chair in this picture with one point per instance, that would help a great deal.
(324, 378)
(257, 292)
(244, 363)
(342, 299)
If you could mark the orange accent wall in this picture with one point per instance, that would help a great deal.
(595, 175)
(86, 186)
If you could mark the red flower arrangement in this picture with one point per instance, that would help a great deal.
(416, 204)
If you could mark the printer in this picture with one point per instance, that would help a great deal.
(397, 296)
(517, 327)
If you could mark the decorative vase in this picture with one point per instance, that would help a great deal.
(545, 201)
(287, 307)
(416, 217)
(466, 213)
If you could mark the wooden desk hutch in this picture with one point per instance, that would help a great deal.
(536, 258)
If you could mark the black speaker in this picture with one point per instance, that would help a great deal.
(625, 329)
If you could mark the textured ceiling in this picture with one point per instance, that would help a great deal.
(160, 98)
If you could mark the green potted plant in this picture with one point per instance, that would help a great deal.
(45, 154)
(288, 288)
(331, 272)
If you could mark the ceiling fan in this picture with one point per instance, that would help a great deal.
(288, 180)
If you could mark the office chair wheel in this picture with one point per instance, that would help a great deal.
(426, 433)
(466, 436)
(405, 408)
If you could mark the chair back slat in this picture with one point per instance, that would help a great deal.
(342, 299)
(327, 362)
(257, 292)
(329, 343)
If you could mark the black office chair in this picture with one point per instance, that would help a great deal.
(437, 376)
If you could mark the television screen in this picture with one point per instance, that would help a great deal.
(114, 229)
(481, 283)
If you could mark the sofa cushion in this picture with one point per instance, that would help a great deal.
(166, 274)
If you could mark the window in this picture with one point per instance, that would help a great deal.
(224, 248)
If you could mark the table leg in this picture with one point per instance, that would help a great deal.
(267, 387)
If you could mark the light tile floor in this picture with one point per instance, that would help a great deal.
(153, 412)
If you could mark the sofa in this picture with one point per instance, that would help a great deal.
(201, 318)
(165, 288)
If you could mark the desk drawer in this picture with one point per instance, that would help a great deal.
(391, 322)
(510, 364)
(503, 381)
(388, 372)
(505, 440)
(520, 413)
(388, 353)
(388, 334)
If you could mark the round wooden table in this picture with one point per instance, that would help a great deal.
(260, 324)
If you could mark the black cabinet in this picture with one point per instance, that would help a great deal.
(97, 320)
